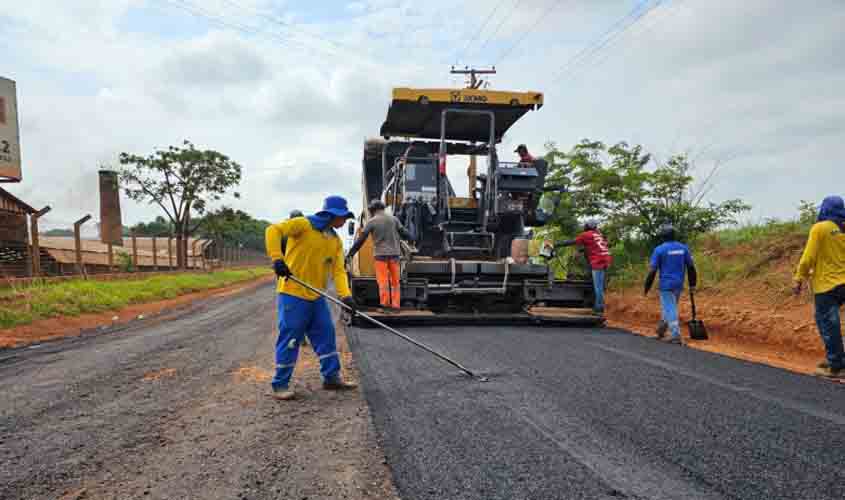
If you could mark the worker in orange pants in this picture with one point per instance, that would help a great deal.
(387, 276)
(386, 231)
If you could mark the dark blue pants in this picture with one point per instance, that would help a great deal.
(830, 326)
(297, 318)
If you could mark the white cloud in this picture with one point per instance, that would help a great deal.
(758, 81)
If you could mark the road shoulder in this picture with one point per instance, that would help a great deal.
(76, 326)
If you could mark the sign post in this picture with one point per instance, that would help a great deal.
(10, 153)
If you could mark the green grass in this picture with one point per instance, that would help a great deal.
(72, 298)
(722, 256)
(757, 233)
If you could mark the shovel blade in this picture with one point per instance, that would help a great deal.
(697, 331)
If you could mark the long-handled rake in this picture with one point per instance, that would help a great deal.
(389, 329)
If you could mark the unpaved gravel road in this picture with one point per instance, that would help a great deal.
(177, 408)
(596, 414)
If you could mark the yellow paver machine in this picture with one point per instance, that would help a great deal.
(460, 266)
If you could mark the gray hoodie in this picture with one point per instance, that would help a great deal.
(386, 231)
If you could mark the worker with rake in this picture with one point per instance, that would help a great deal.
(823, 263)
(314, 252)
(386, 231)
(672, 259)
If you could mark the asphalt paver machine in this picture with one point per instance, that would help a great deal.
(459, 265)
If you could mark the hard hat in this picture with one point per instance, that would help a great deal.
(666, 231)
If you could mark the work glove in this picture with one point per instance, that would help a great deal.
(281, 269)
(350, 303)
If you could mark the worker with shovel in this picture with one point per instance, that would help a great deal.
(823, 262)
(672, 259)
(314, 251)
(386, 231)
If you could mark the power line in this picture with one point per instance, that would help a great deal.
(617, 28)
(288, 25)
(498, 27)
(219, 21)
(543, 15)
(593, 43)
(591, 60)
(481, 28)
(675, 8)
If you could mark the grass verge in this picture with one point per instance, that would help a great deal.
(72, 298)
(729, 256)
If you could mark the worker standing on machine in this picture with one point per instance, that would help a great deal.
(672, 259)
(387, 232)
(314, 251)
(823, 262)
(598, 254)
(524, 156)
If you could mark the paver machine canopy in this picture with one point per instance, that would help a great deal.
(461, 244)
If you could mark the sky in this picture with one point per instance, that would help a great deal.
(290, 89)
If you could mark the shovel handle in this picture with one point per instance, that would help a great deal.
(692, 303)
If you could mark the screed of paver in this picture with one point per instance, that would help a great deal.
(595, 413)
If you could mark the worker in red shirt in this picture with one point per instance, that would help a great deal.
(598, 253)
(524, 155)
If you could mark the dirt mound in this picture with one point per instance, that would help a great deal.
(750, 313)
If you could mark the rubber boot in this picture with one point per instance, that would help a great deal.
(339, 385)
(284, 395)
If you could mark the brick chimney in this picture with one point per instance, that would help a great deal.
(111, 220)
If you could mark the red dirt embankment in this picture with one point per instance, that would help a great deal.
(741, 326)
(752, 316)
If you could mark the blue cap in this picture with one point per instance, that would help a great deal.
(336, 206)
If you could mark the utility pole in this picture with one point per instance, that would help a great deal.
(474, 81)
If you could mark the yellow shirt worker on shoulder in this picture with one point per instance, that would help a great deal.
(824, 263)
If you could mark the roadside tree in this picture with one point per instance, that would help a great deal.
(180, 180)
(632, 194)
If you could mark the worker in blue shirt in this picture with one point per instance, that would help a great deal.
(672, 259)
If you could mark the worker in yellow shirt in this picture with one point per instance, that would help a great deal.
(314, 252)
(823, 263)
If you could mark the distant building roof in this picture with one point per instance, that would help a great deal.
(11, 203)
(63, 250)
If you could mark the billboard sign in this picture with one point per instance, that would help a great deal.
(10, 153)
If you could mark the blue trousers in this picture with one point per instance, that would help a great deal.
(669, 304)
(598, 288)
(830, 325)
(298, 318)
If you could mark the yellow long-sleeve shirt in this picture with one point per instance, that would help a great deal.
(311, 256)
(824, 258)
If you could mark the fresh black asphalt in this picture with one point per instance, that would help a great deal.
(596, 413)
